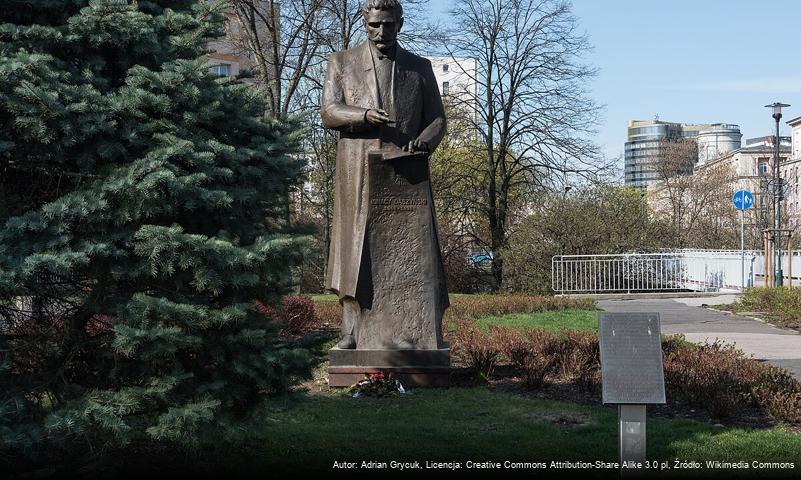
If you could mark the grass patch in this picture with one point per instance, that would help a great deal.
(583, 320)
(452, 424)
(308, 433)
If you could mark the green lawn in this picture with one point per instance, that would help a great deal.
(302, 432)
(585, 320)
(308, 433)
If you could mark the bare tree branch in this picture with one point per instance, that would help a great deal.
(531, 108)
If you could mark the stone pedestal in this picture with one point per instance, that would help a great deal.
(429, 368)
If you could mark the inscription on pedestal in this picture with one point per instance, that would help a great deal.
(397, 204)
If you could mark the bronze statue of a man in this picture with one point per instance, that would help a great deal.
(384, 260)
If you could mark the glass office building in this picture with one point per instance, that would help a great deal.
(642, 151)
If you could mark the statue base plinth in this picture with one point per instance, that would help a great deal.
(425, 368)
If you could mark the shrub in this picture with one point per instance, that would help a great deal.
(783, 304)
(713, 376)
(475, 349)
(769, 376)
(534, 354)
(296, 314)
(721, 379)
(329, 314)
(544, 359)
(537, 354)
(783, 406)
(716, 377)
(581, 358)
(511, 344)
(778, 394)
(673, 343)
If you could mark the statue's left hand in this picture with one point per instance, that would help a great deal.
(418, 146)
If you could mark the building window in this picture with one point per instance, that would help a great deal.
(763, 168)
(445, 67)
(446, 88)
(223, 69)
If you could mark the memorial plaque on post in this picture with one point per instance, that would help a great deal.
(632, 376)
(631, 358)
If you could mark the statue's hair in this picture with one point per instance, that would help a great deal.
(383, 5)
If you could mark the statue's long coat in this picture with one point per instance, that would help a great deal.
(350, 89)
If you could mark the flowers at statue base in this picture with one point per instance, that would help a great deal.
(378, 384)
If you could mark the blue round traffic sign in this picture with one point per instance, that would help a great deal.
(743, 200)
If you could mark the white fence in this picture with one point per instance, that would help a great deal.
(683, 270)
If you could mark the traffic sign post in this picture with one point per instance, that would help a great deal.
(743, 200)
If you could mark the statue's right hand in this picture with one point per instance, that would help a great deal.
(377, 117)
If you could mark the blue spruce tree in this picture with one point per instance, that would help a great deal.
(141, 212)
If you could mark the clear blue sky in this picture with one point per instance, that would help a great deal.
(702, 61)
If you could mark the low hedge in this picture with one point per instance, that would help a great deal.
(476, 306)
(715, 378)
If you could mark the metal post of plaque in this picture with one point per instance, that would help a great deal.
(632, 376)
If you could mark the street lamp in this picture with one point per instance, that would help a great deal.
(777, 198)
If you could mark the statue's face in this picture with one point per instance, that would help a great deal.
(382, 28)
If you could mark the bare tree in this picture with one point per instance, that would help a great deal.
(282, 40)
(288, 43)
(321, 173)
(531, 104)
(672, 195)
(696, 203)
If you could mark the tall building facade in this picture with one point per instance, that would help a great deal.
(456, 78)
(643, 147)
(791, 175)
(226, 55)
(455, 75)
(233, 53)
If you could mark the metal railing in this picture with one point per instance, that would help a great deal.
(683, 270)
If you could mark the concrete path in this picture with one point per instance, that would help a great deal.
(685, 315)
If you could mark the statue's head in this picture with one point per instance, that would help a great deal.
(383, 20)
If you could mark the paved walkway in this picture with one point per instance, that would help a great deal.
(685, 315)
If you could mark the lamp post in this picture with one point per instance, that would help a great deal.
(778, 193)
